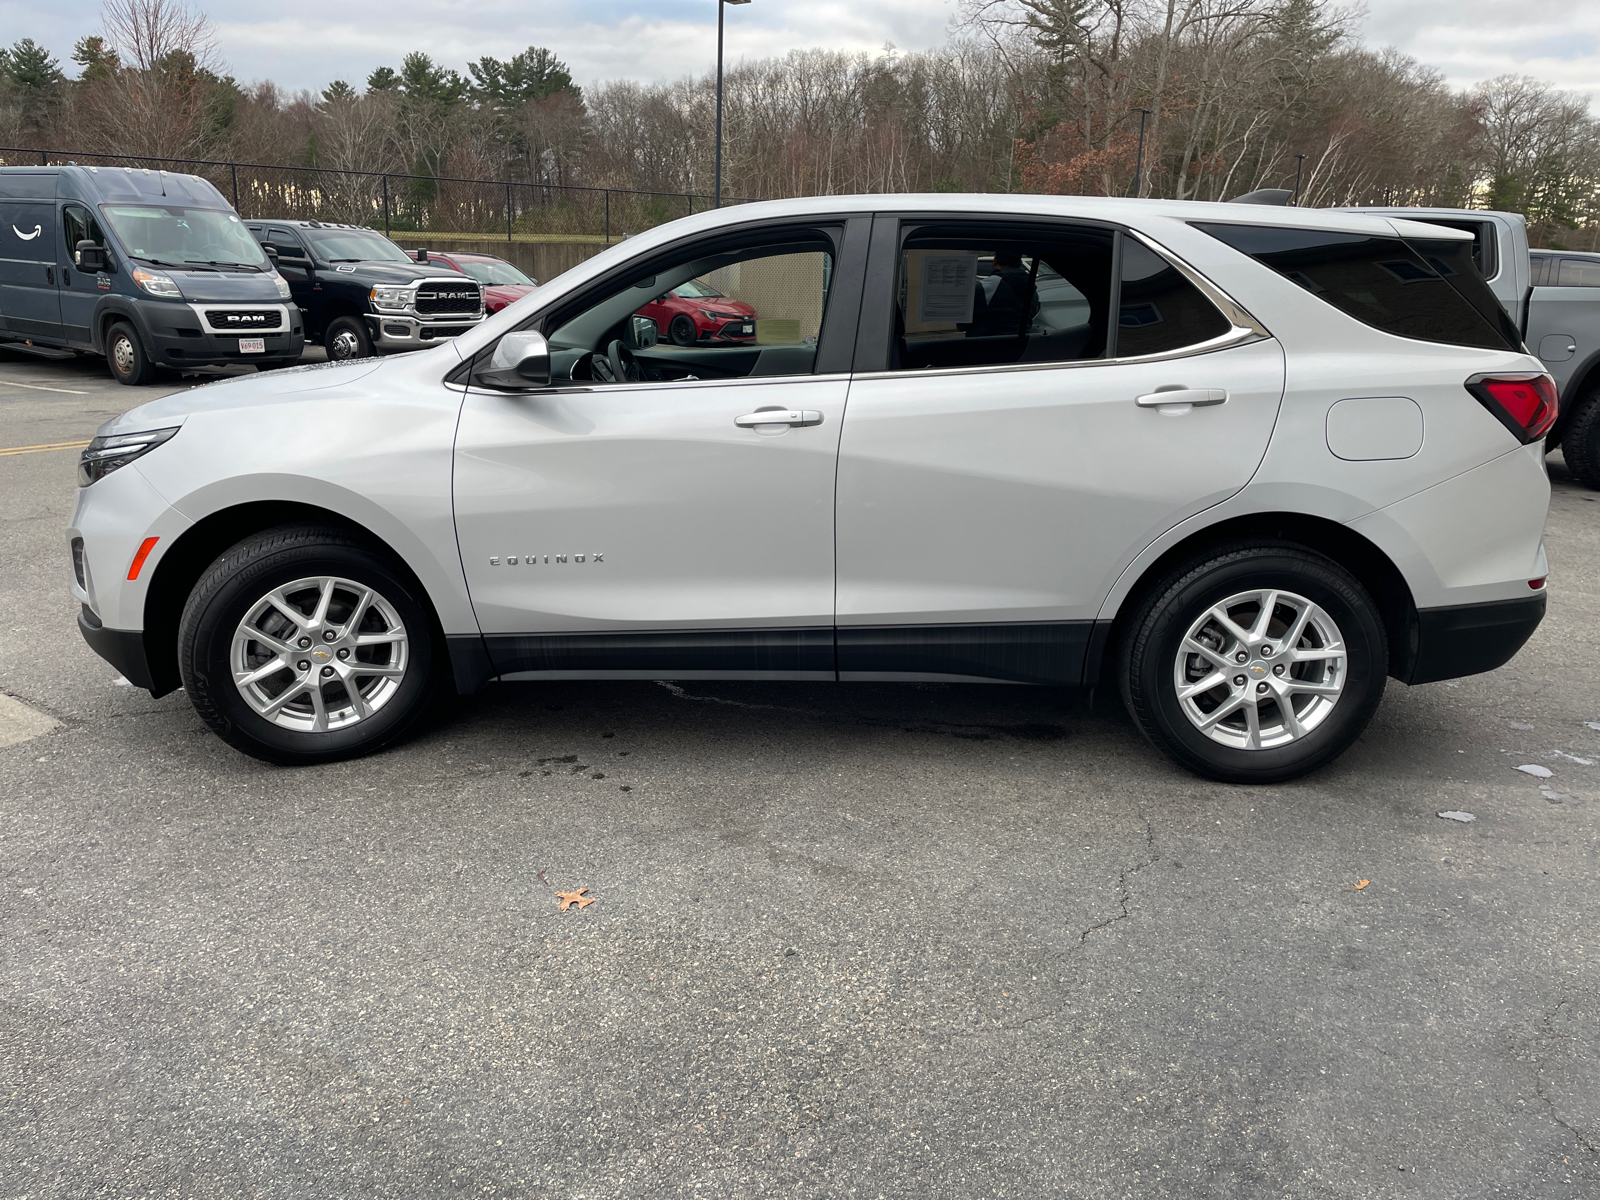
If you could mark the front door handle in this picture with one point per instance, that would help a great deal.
(779, 416)
(1194, 397)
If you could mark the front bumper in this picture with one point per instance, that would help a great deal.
(181, 336)
(403, 332)
(1468, 639)
(122, 648)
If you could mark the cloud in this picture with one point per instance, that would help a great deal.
(302, 44)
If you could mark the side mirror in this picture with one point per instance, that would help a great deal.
(422, 254)
(520, 363)
(91, 256)
(272, 252)
(643, 332)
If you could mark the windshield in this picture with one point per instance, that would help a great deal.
(353, 245)
(695, 290)
(178, 236)
(495, 273)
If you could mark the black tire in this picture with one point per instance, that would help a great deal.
(682, 330)
(1159, 624)
(235, 586)
(130, 363)
(1580, 444)
(347, 339)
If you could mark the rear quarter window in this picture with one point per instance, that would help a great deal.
(1422, 288)
(1578, 272)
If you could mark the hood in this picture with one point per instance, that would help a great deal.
(202, 287)
(499, 294)
(391, 272)
(243, 391)
(733, 308)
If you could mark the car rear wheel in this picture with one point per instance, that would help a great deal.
(304, 644)
(126, 354)
(682, 330)
(347, 339)
(1580, 444)
(1255, 663)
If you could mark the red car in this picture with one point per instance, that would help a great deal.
(502, 283)
(695, 312)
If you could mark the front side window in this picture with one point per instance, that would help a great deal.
(79, 225)
(722, 313)
(175, 236)
(974, 296)
(354, 245)
(1424, 288)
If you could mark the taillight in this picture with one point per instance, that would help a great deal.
(1524, 403)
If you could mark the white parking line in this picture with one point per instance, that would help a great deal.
(39, 387)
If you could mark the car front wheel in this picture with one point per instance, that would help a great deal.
(347, 339)
(1255, 663)
(130, 364)
(682, 331)
(304, 644)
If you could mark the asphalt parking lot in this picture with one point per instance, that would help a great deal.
(857, 940)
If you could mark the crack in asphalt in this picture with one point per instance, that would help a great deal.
(1582, 1139)
(1124, 892)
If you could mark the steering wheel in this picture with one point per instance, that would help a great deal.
(617, 365)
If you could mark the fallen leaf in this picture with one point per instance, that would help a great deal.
(1360, 884)
(568, 899)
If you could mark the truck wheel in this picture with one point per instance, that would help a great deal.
(682, 330)
(1255, 662)
(126, 354)
(347, 339)
(1580, 444)
(305, 644)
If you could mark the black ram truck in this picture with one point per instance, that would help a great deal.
(361, 294)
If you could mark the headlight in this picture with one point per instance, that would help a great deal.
(105, 454)
(157, 284)
(390, 297)
(705, 312)
(283, 287)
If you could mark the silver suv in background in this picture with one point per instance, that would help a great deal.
(1239, 465)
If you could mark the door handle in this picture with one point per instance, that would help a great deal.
(779, 416)
(1194, 397)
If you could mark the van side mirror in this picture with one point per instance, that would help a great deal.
(643, 332)
(422, 254)
(91, 256)
(520, 363)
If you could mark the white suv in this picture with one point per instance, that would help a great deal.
(1243, 463)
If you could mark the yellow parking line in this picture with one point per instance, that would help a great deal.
(39, 387)
(5, 450)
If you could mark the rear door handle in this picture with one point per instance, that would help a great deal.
(1196, 397)
(779, 416)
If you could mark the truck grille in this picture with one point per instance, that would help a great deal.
(440, 297)
(231, 320)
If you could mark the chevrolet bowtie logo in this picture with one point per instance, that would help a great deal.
(1259, 670)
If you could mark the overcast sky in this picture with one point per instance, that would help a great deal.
(304, 43)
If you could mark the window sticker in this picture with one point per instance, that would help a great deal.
(949, 284)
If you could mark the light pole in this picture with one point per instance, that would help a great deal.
(1138, 168)
(1299, 163)
(716, 201)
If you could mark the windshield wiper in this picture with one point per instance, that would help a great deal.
(349, 260)
(157, 262)
(215, 262)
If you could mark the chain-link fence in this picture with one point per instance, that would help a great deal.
(458, 209)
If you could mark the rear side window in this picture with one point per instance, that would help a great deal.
(1419, 288)
(1578, 272)
(1540, 270)
(1159, 309)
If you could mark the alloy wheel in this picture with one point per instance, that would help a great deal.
(1260, 669)
(319, 654)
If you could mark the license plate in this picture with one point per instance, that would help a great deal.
(747, 329)
(252, 345)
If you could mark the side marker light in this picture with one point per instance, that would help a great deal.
(145, 547)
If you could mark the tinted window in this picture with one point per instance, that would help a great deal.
(1417, 288)
(1159, 309)
(1579, 272)
(354, 245)
(1540, 270)
(1483, 256)
(971, 297)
